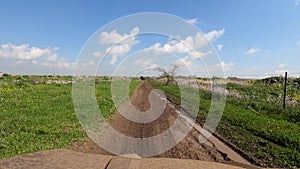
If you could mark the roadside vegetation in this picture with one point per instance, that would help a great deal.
(37, 112)
(255, 121)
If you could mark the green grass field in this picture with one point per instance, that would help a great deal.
(256, 123)
(35, 115)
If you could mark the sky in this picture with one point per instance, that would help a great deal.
(252, 38)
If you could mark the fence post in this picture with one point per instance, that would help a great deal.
(284, 91)
(213, 83)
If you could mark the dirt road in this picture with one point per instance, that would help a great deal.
(189, 148)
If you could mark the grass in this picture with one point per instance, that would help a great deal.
(36, 115)
(270, 137)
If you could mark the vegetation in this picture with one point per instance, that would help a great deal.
(169, 74)
(37, 113)
(256, 122)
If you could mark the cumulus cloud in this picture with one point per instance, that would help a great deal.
(227, 66)
(97, 54)
(122, 43)
(65, 65)
(26, 59)
(185, 61)
(190, 49)
(23, 52)
(192, 21)
(52, 57)
(215, 34)
(220, 69)
(61, 64)
(199, 55)
(188, 44)
(252, 51)
(146, 63)
(143, 62)
(168, 47)
(119, 49)
(115, 37)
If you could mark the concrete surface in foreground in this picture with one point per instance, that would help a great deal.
(67, 159)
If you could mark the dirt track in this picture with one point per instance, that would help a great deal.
(188, 148)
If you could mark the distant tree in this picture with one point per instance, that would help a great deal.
(142, 78)
(168, 74)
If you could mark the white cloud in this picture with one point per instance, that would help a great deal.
(97, 54)
(192, 21)
(122, 43)
(25, 59)
(282, 65)
(146, 63)
(115, 37)
(199, 55)
(297, 2)
(143, 62)
(189, 44)
(220, 47)
(252, 51)
(170, 47)
(214, 34)
(113, 60)
(117, 51)
(220, 69)
(192, 48)
(52, 57)
(62, 64)
(280, 72)
(185, 61)
(22, 52)
(227, 66)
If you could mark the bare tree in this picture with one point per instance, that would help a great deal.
(168, 74)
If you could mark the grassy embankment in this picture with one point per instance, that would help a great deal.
(256, 121)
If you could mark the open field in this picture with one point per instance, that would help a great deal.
(37, 114)
(255, 121)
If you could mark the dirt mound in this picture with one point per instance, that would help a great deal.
(140, 96)
(188, 148)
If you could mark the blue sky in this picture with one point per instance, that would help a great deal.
(259, 38)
